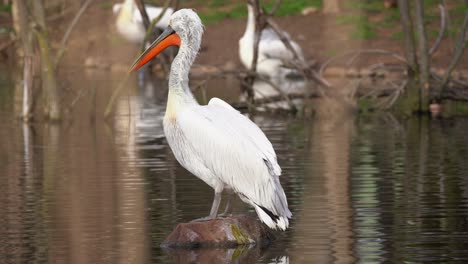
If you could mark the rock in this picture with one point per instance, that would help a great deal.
(220, 232)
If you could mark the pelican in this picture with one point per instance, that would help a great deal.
(272, 53)
(215, 142)
(130, 23)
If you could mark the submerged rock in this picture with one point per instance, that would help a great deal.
(225, 232)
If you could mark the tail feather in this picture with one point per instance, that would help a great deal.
(271, 220)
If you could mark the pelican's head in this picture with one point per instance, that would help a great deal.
(185, 29)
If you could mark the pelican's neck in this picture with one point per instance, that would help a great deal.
(128, 4)
(250, 28)
(179, 76)
(126, 11)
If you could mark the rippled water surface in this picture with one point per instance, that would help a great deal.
(364, 189)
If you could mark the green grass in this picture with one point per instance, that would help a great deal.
(294, 7)
(364, 30)
(217, 3)
(391, 19)
(368, 6)
(397, 35)
(210, 17)
(239, 10)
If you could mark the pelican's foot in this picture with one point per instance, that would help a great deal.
(203, 219)
(225, 215)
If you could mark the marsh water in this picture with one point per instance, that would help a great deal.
(367, 189)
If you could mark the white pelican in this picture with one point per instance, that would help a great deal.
(130, 23)
(272, 53)
(215, 142)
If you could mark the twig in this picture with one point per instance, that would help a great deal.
(297, 61)
(274, 8)
(65, 38)
(143, 13)
(259, 26)
(150, 28)
(443, 27)
(282, 37)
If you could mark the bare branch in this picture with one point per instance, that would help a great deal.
(407, 27)
(259, 26)
(274, 8)
(65, 38)
(282, 37)
(298, 63)
(443, 28)
(144, 15)
(153, 23)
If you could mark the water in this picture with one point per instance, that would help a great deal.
(365, 189)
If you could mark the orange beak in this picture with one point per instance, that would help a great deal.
(166, 39)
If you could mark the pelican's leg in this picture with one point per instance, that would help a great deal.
(228, 208)
(215, 206)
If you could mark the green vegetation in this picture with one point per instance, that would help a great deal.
(294, 7)
(217, 10)
(106, 5)
(5, 8)
(366, 6)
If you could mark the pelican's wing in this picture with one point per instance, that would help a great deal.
(235, 150)
(219, 102)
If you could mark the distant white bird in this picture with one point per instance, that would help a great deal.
(130, 23)
(272, 53)
(215, 142)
